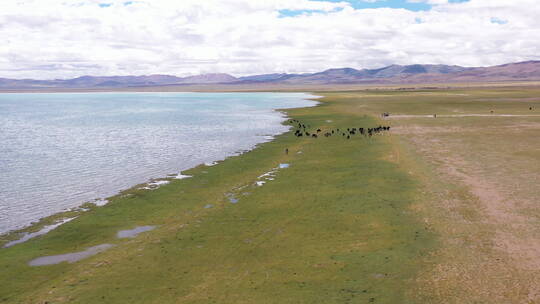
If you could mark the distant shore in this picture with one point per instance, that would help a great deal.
(282, 87)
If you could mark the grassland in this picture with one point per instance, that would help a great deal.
(441, 210)
(334, 227)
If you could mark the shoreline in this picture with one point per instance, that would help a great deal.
(380, 220)
(59, 218)
(266, 216)
(274, 88)
(41, 226)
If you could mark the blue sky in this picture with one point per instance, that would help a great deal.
(409, 5)
(359, 4)
(366, 4)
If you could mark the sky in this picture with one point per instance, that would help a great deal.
(47, 39)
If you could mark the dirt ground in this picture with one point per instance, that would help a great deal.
(478, 162)
(482, 175)
(489, 223)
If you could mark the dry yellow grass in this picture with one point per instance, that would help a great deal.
(480, 178)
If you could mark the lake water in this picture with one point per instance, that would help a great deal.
(59, 150)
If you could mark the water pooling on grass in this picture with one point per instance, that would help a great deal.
(231, 197)
(61, 150)
(261, 180)
(69, 257)
(131, 233)
(77, 256)
(32, 235)
(270, 175)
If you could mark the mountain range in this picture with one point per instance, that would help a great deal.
(393, 74)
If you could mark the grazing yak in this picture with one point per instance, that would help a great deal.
(301, 130)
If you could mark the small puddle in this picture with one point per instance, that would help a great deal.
(69, 257)
(131, 233)
(208, 206)
(283, 166)
(231, 198)
(43, 231)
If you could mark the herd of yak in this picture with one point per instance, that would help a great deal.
(367, 132)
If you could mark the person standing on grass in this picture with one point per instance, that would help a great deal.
(287, 151)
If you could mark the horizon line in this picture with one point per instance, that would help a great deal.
(285, 73)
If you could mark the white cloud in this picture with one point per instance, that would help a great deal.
(61, 39)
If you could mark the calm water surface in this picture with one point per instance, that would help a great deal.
(58, 151)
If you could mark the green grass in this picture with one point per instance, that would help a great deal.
(335, 227)
(359, 221)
